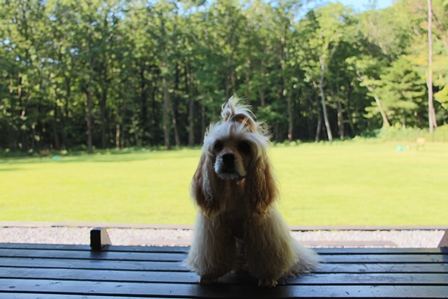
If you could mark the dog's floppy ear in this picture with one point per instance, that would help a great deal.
(205, 186)
(261, 185)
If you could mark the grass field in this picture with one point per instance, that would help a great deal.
(347, 183)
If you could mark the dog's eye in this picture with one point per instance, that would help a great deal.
(244, 147)
(218, 146)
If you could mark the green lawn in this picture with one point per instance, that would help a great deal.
(350, 183)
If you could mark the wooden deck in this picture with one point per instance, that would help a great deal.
(72, 271)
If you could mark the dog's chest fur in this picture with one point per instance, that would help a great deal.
(236, 209)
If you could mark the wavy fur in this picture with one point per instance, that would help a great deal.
(238, 226)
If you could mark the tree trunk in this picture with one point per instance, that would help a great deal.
(285, 91)
(166, 112)
(349, 110)
(203, 129)
(117, 136)
(143, 101)
(174, 123)
(174, 108)
(324, 105)
(103, 116)
(318, 127)
(55, 127)
(248, 62)
(230, 79)
(88, 94)
(261, 88)
(309, 116)
(341, 128)
(191, 122)
(290, 117)
(377, 101)
(189, 91)
(89, 119)
(155, 114)
(33, 130)
(340, 119)
(65, 112)
(340, 114)
(166, 97)
(22, 114)
(431, 112)
(12, 132)
(383, 114)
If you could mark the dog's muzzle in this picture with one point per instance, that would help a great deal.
(228, 161)
(228, 168)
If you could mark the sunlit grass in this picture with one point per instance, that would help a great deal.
(139, 188)
(364, 184)
(340, 184)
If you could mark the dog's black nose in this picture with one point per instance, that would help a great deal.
(228, 159)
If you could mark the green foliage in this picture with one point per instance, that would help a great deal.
(104, 74)
(402, 91)
(442, 97)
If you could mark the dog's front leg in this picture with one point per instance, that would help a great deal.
(269, 249)
(213, 252)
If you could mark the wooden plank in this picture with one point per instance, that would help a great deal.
(321, 251)
(345, 251)
(111, 248)
(44, 246)
(218, 291)
(92, 264)
(189, 277)
(372, 279)
(64, 296)
(177, 257)
(354, 279)
(74, 254)
(178, 266)
(386, 258)
(367, 279)
(158, 271)
(382, 268)
(180, 249)
(99, 275)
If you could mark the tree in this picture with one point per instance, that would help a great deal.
(402, 90)
(429, 48)
(115, 73)
(431, 113)
(366, 68)
(326, 31)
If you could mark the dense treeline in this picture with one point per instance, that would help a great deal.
(118, 73)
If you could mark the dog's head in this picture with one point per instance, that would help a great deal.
(234, 150)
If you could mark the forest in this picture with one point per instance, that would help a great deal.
(98, 74)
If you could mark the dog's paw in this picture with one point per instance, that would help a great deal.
(267, 283)
(208, 280)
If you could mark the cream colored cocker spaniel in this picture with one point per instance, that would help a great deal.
(238, 225)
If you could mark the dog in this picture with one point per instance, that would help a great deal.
(238, 226)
